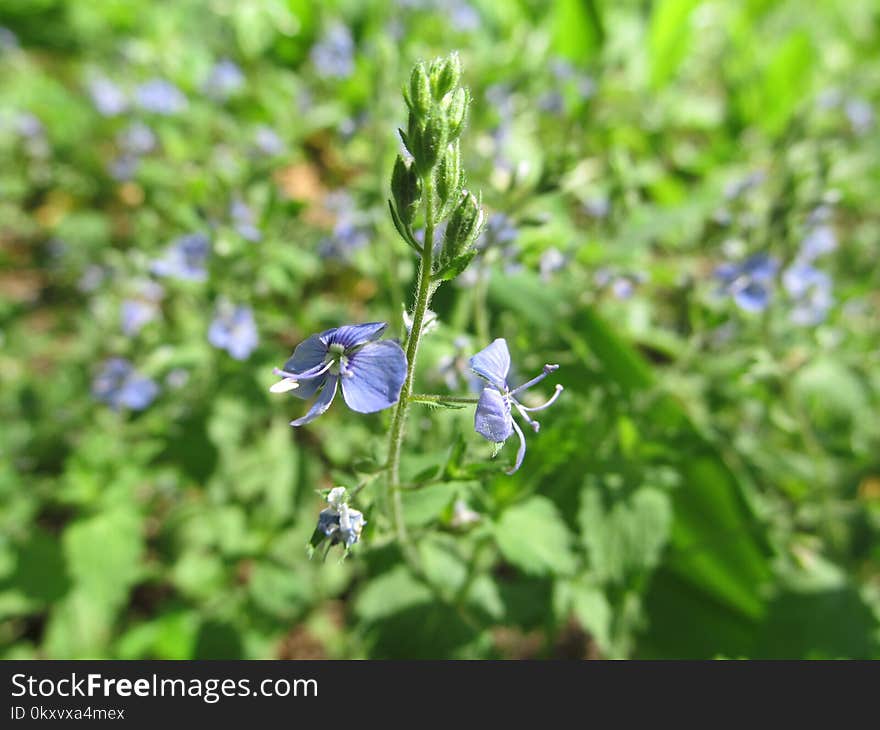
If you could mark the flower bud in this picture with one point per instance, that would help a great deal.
(420, 90)
(463, 228)
(445, 74)
(447, 176)
(456, 113)
(406, 187)
(433, 141)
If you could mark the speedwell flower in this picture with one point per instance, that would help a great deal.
(749, 282)
(233, 329)
(493, 419)
(371, 373)
(340, 522)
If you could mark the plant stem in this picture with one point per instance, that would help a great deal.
(398, 421)
(430, 399)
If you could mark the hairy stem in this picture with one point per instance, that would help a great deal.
(398, 421)
(430, 399)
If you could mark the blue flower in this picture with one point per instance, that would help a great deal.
(8, 39)
(819, 240)
(811, 291)
(750, 282)
(860, 114)
(142, 309)
(137, 139)
(160, 97)
(244, 221)
(267, 140)
(224, 80)
(349, 230)
(108, 98)
(493, 419)
(333, 54)
(340, 522)
(234, 330)
(185, 258)
(124, 167)
(371, 372)
(120, 386)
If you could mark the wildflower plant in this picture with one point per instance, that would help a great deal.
(440, 220)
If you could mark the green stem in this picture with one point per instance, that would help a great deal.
(398, 420)
(430, 399)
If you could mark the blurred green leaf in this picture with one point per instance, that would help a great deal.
(533, 536)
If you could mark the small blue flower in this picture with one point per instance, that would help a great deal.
(244, 220)
(108, 98)
(224, 80)
(464, 17)
(349, 231)
(333, 54)
(810, 289)
(493, 419)
(371, 373)
(137, 139)
(124, 167)
(750, 282)
(120, 386)
(160, 97)
(29, 126)
(142, 309)
(860, 114)
(819, 240)
(340, 522)
(185, 258)
(234, 330)
(267, 141)
(8, 39)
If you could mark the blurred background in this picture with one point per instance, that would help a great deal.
(682, 201)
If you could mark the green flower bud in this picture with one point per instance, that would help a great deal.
(463, 228)
(420, 90)
(456, 112)
(447, 177)
(433, 141)
(406, 187)
(445, 74)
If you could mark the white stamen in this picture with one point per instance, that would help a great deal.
(282, 386)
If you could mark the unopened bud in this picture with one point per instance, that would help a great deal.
(445, 74)
(406, 187)
(420, 90)
(463, 227)
(448, 175)
(456, 113)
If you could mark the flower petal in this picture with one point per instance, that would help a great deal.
(374, 377)
(309, 354)
(520, 452)
(325, 398)
(493, 363)
(353, 335)
(492, 419)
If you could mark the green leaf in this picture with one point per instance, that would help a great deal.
(103, 556)
(578, 32)
(669, 37)
(404, 232)
(533, 536)
(389, 593)
(455, 267)
(627, 539)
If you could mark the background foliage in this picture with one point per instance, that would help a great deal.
(707, 486)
